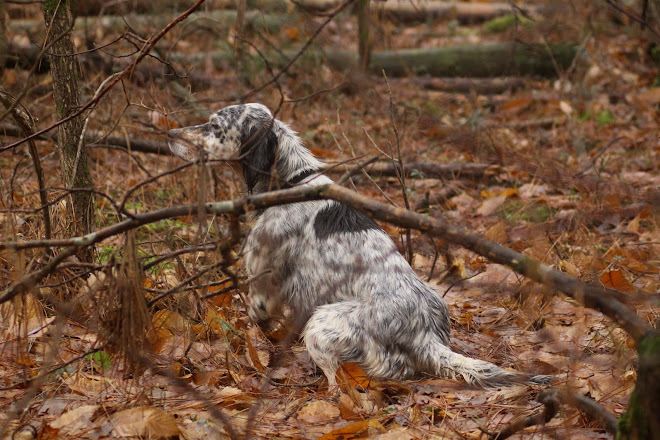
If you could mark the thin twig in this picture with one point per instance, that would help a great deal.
(144, 52)
(399, 169)
(24, 122)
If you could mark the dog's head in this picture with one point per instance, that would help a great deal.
(243, 132)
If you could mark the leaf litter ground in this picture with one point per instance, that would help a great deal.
(573, 181)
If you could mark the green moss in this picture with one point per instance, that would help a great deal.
(505, 22)
(515, 211)
(605, 117)
(655, 54)
(105, 253)
(650, 346)
(634, 422)
(49, 6)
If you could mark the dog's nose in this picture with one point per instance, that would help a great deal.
(173, 133)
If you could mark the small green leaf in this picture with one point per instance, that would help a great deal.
(100, 358)
(605, 117)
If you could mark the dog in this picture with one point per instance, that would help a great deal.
(334, 267)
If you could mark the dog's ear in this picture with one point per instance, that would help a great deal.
(258, 152)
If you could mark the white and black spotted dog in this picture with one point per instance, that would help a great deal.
(335, 268)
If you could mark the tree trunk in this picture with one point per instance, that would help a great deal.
(364, 46)
(3, 38)
(66, 91)
(640, 421)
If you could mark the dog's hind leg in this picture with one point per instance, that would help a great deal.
(337, 333)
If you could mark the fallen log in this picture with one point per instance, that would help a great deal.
(480, 86)
(385, 168)
(430, 170)
(402, 11)
(96, 139)
(216, 19)
(473, 61)
(405, 11)
(464, 12)
(485, 60)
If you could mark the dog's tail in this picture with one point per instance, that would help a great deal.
(478, 372)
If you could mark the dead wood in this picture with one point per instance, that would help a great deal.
(98, 140)
(484, 60)
(552, 400)
(409, 11)
(435, 170)
(480, 86)
(214, 19)
(24, 128)
(474, 61)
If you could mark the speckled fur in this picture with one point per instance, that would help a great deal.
(334, 267)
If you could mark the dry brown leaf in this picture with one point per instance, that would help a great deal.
(169, 320)
(616, 280)
(457, 269)
(646, 98)
(291, 32)
(257, 358)
(516, 104)
(88, 384)
(509, 192)
(76, 421)
(318, 412)
(489, 206)
(231, 397)
(497, 232)
(217, 321)
(357, 405)
(462, 202)
(360, 429)
(569, 268)
(633, 225)
(23, 316)
(222, 300)
(352, 375)
(144, 421)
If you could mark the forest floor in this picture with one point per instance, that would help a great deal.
(573, 180)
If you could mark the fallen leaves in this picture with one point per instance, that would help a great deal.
(144, 422)
(616, 280)
(318, 412)
(360, 429)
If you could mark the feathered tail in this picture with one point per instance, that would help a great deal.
(478, 372)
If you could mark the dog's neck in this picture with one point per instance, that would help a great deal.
(293, 161)
(293, 158)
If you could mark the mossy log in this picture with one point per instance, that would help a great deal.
(217, 19)
(476, 61)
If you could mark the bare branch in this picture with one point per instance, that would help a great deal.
(144, 52)
(605, 300)
(552, 400)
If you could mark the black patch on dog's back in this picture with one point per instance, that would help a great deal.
(338, 218)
